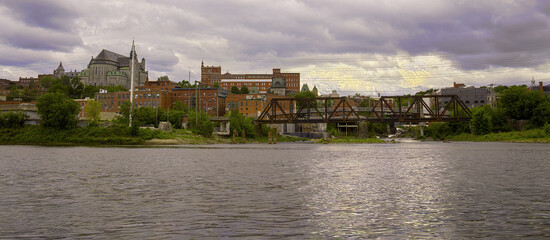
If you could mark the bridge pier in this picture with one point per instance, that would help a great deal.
(421, 125)
(363, 130)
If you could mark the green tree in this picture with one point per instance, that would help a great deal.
(205, 127)
(519, 103)
(117, 88)
(500, 89)
(175, 117)
(57, 111)
(180, 106)
(12, 119)
(144, 116)
(185, 84)
(238, 123)
(90, 91)
(499, 121)
(92, 110)
(235, 90)
(124, 119)
(541, 114)
(163, 79)
(481, 120)
(46, 82)
(15, 92)
(216, 85)
(65, 80)
(305, 95)
(244, 90)
(76, 88)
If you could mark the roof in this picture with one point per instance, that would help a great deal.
(108, 55)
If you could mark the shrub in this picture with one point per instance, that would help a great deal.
(546, 129)
(57, 111)
(12, 119)
(205, 127)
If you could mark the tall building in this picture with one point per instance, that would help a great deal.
(113, 69)
(471, 96)
(213, 74)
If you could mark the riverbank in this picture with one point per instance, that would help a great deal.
(526, 136)
(36, 135)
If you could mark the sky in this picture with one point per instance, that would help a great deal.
(352, 46)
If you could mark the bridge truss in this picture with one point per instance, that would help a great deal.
(439, 108)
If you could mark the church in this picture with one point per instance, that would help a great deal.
(109, 69)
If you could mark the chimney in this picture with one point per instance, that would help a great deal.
(541, 88)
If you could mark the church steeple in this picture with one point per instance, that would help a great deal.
(133, 51)
(60, 68)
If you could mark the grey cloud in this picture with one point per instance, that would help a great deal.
(54, 15)
(478, 40)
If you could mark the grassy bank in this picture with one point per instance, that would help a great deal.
(37, 135)
(351, 140)
(531, 136)
(182, 136)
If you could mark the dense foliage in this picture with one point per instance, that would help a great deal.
(240, 123)
(200, 123)
(87, 135)
(92, 110)
(12, 119)
(515, 103)
(305, 95)
(147, 116)
(57, 111)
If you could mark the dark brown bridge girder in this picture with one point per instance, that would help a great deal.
(384, 110)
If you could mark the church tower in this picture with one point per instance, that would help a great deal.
(60, 71)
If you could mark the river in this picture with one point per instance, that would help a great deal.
(286, 191)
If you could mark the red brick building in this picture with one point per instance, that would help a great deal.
(158, 85)
(248, 104)
(211, 100)
(213, 74)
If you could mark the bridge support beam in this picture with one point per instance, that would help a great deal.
(363, 129)
(421, 125)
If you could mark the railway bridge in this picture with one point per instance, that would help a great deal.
(413, 109)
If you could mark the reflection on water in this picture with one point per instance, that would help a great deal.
(290, 191)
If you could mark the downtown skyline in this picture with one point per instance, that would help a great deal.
(365, 47)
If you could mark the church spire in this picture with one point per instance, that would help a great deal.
(133, 51)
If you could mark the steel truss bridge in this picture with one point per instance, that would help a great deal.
(439, 108)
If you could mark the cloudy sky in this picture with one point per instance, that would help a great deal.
(353, 46)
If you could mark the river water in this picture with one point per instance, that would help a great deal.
(285, 191)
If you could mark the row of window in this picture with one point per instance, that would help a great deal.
(193, 95)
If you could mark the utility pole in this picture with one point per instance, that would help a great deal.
(132, 55)
(196, 105)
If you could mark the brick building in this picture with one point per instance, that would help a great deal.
(158, 85)
(112, 101)
(213, 74)
(249, 105)
(5, 84)
(212, 100)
